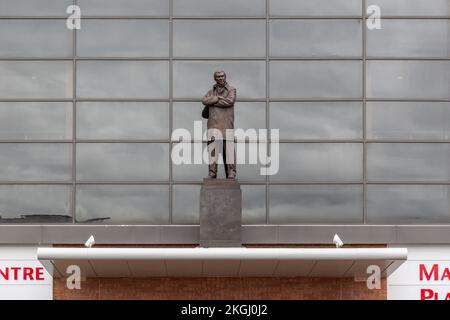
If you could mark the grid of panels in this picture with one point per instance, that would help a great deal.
(296, 65)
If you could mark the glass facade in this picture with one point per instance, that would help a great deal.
(86, 115)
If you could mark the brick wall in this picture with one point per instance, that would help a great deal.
(219, 288)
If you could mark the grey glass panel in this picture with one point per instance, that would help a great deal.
(408, 79)
(320, 162)
(122, 79)
(35, 162)
(247, 115)
(315, 8)
(122, 120)
(317, 120)
(196, 172)
(35, 120)
(35, 38)
(253, 204)
(408, 162)
(238, 38)
(408, 204)
(122, 204)
(219, 8)
(410, 38)
(35, 204)
(35, 79)
(123, 38)
(250, 115)
(184, 115)
(316, 204)
(412, 7)
(186, 204)
(315, 38)
(193, 79)
(34, 8)
(190, 171)
(124, 7)
(315, 79)
(122, 161)
(408, 120)
(248, 169)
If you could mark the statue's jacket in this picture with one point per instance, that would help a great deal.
(221, 114)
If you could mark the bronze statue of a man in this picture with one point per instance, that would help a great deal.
(219, 110)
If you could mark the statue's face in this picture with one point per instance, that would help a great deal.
(220, 78)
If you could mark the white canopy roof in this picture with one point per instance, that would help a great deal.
(227, 262)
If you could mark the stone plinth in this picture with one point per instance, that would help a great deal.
(220, 213)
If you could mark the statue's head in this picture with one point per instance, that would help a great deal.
(220, 77)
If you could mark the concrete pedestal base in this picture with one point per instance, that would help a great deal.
(220, 213)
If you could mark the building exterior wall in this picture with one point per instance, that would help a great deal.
(86, 118)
